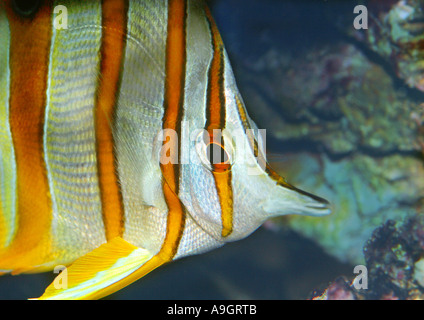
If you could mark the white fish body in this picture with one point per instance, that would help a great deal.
(106, 131)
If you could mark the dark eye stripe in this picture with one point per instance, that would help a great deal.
(26, 8)
(217, 154)
(215, 119)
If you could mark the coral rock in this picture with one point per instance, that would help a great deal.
(394, 258)
(396, 33)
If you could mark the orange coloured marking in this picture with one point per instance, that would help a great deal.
(256, 152)
(261, 157)
(29, 58)
(173, 104)
(215, 119)
(114, 20)
(225, 194)
(215, 93)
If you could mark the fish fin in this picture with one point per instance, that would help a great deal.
(103, 271)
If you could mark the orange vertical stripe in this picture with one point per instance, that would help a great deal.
(215, 119)
(29, 56)
(173, 105)
(255, 148)
(261, 157)
(114, 20)
(215, 90)
(225, 194)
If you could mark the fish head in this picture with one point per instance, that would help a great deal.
(229, 189)
(226, 185)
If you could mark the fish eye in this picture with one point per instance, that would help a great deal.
(216, 153)
(26, 7)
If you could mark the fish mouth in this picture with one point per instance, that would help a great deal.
(318, 209)
(293, 200)
(312, 204)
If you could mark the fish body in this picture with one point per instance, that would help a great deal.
(109, 113)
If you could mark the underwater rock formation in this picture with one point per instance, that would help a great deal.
(340, 121)
(396, 33)
(339, 289)
(335, 96)
(394, 258)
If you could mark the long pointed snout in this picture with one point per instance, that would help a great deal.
(291, 200)
(313, 204)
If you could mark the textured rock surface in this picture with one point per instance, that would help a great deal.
(394, 258)
(334, 97)
(396, 33)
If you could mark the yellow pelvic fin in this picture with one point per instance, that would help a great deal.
(103, 271)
